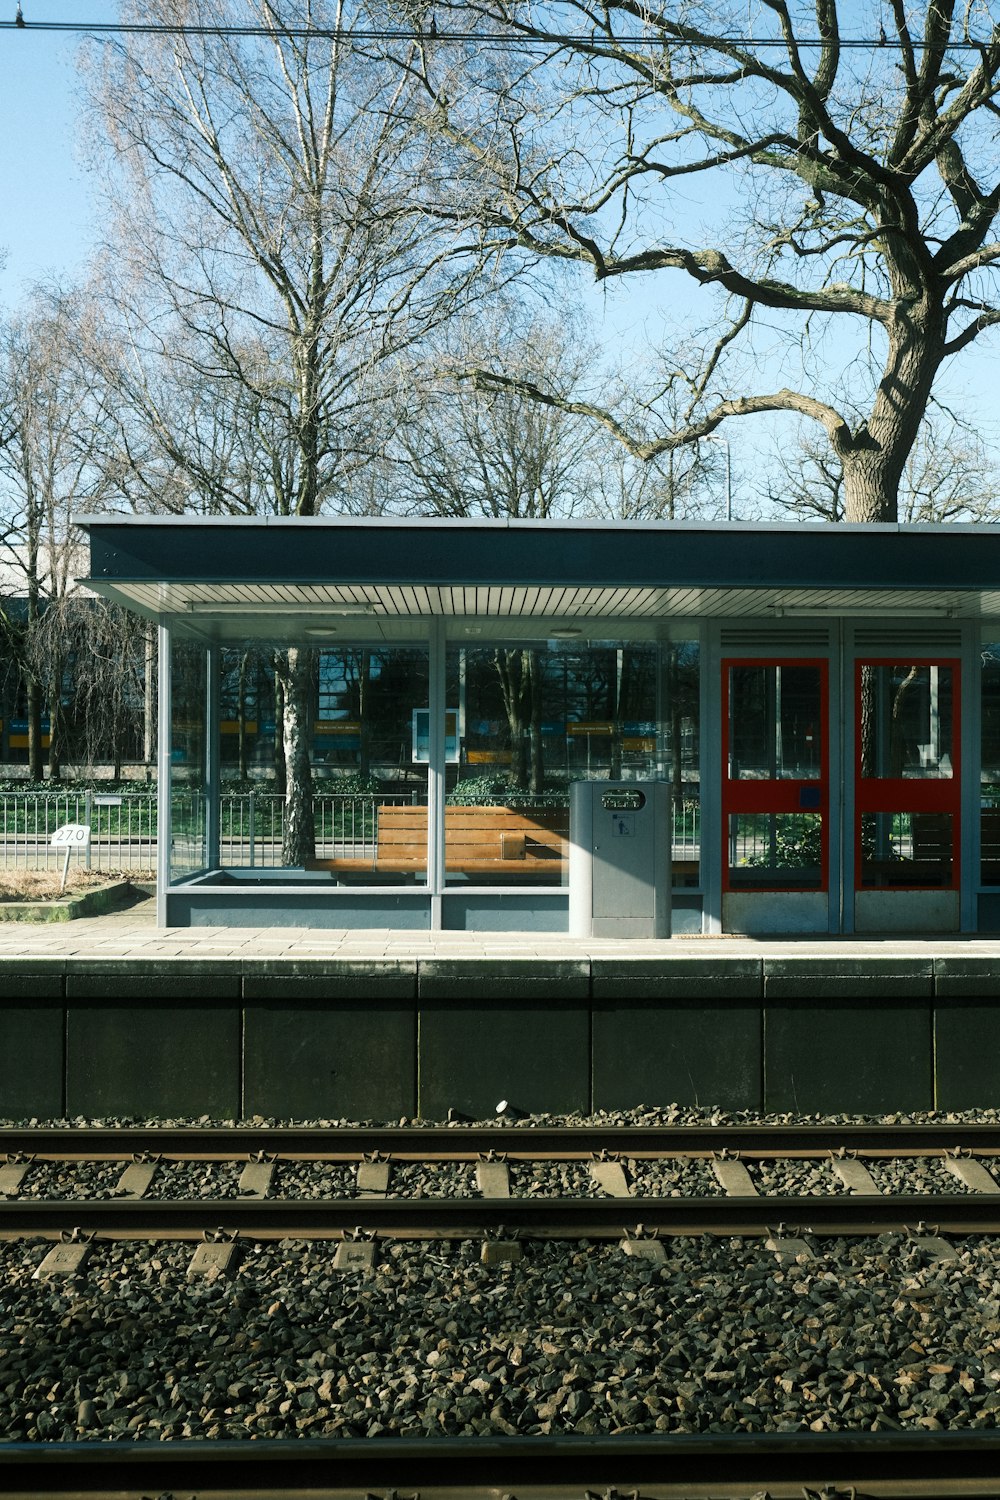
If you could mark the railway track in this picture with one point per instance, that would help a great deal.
(882, 1464)
(460, 1141)
(369, 1207)
(949, 1466)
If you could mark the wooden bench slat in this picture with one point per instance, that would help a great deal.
(478, 840)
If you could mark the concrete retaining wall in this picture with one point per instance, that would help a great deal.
(382, 1039)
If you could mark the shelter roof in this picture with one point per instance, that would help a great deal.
(277, 576)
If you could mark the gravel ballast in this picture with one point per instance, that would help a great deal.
(867, 1335)
(573, 1338)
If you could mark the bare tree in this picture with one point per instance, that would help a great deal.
(459, 451)
(275, 202)
(948, 477)
(47, 469)
(849, 190)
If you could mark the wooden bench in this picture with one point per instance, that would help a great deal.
(930, 864)
(530, 844)
(989, 846)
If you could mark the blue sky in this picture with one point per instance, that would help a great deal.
(47, 218)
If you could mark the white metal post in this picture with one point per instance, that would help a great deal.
(163, 748)
(969, 730)
(436, 769)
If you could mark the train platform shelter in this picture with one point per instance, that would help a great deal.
(823, 703)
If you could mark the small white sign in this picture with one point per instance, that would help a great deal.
(71, 836)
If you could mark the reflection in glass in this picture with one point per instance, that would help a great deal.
(906, 850)
(906, 721)
(682, 756)
(188, 820)
(369, 787)
(776, 851)
(990, 765)
(533, 719)
(775, 722)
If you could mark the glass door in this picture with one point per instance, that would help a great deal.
(907, 794)
(775, 794)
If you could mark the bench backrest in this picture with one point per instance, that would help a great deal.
(476, 833)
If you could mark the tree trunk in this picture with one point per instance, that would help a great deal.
(34, 696)
(364, 733)
(296, 667)
(241, 711)
(511, 669)
(149, 696)
(535, 722)
(874, 457)
(55, 722)
(280, 768)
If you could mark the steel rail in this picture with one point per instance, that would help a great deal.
(873, 1466)
(499, 1218)
(468, 1142)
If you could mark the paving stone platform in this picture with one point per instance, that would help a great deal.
(116, 944)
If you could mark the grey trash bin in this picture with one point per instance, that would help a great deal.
(619, 859)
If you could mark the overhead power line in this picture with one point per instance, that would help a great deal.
(515, 38)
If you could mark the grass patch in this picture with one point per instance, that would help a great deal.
(43, 885)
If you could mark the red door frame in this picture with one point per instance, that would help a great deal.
(779, 795)
(909, 794)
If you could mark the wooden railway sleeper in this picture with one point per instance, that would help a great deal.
(929, 1239)
(501, 1246)
(732, 1175)
(258, 1175)
(137, 1177)
(13, 1173)
(609, 1174)
(67, 1257)
(493, 1174)
(787, 1244)
(963, 1164)
(356, 1251)
(853, 1173)
(644, 1244)
(373, 1174)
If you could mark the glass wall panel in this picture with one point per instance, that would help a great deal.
(189, 686)
(990, 772)
(681, 732)
(367, 763)
(907, 850)
(531, 719)
(906, 721)
(775, 851)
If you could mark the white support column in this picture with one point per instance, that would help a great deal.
(838, 768)
(710, 686)
(437, 703)
(212, 768)
(164, 742)
(971, 751)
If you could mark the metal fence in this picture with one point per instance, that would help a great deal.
(123, 827)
